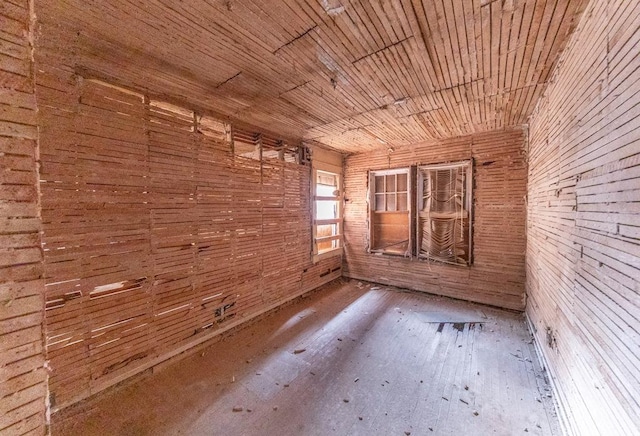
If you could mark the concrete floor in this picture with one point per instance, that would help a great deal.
(351, 359)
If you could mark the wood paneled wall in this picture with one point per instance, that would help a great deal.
(497, 274)
(156, 235)
(583, 251)
(22, 373)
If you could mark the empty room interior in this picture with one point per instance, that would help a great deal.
(314, 217)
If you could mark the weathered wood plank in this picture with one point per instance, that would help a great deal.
(145, 223)
(499, 236)
(311, 69)
(22, 373)
(583, 253)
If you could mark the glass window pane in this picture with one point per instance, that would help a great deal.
(402, 202)
(391, 202)
(402, 182)
(379, 185)
(324, 190)
(327, 230)
(326, 178)
(326, 210)
(391, 183)
(379, 200)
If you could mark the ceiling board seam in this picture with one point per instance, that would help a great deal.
(295, 39)
(228, 80)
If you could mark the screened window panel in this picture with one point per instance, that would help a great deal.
(444, 212)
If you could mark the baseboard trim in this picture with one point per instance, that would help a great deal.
(558, 404)
(189, 348)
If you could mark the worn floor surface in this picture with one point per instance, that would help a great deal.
(351, 359)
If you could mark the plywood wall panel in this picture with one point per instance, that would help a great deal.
(23, 376)
(583, 254)
(497, 274)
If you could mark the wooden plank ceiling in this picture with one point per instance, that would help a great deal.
(351, 74)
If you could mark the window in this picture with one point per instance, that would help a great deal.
(390, 211)
(442, 220)
(327, 220)
(443, 211)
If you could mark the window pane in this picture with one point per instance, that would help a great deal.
(325, 190)
(402, 182)
(379, 184)
(402, 202)
(325, 178)
(391, 183)
(326, 210)
(327, 230)
(391, 202)
(379, 206)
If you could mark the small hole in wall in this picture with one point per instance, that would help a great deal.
(551, 338)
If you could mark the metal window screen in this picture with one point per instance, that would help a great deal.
(443, 231)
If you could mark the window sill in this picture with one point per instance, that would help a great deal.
(331, 253)
(390, 253)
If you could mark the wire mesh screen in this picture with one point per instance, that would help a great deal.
(443, 215)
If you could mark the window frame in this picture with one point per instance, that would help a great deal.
(467, 165)
(337, 172)
(372, 209)
(415, 188)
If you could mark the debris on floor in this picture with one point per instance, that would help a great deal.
(262, 378)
